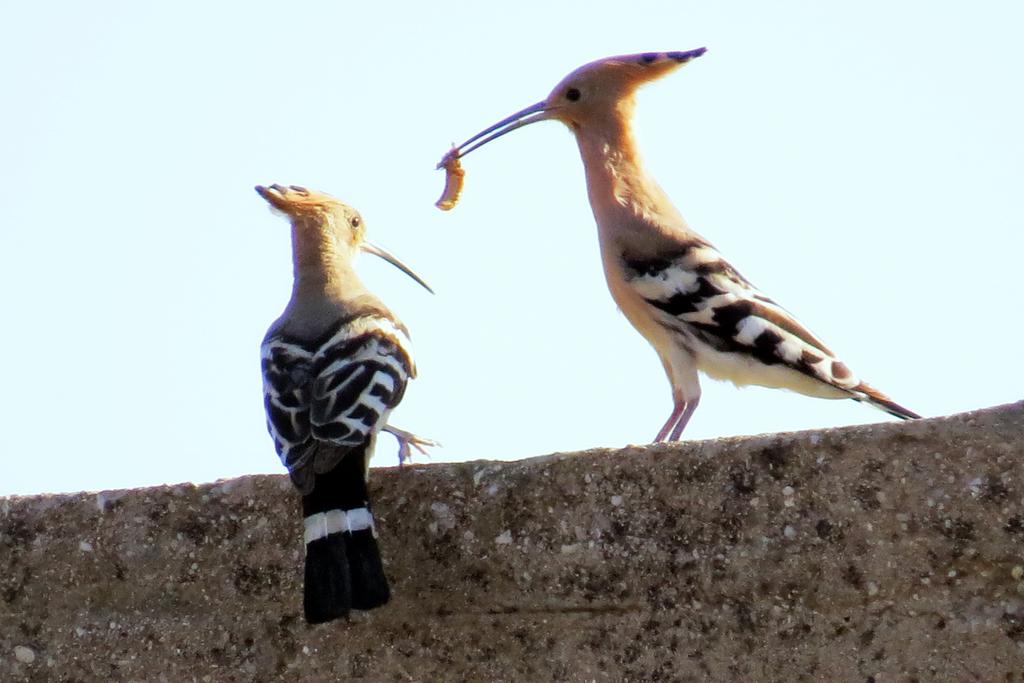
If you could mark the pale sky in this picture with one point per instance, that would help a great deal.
(862, 163)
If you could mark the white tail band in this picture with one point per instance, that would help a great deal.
(323, 524)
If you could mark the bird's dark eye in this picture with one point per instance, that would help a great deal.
(572, 94)
(355, 221)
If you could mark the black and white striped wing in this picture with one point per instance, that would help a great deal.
(699, 294)
(360, 377)
(340, 392)
(287, 375)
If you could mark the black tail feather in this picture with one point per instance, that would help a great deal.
(369, 585)
(882, 402)
(328, 588)
(343, 570)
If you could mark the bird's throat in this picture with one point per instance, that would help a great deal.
(628, 204)
(319, 265)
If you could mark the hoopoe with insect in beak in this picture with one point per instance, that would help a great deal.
(335, 364)
(691, 304)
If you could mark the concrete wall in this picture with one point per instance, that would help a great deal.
(888, 552)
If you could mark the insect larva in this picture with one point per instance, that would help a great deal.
(453, 180)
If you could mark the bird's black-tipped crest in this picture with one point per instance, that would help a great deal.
(687, 55)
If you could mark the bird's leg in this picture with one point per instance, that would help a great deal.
(691, 406)
(680, 407)
(407, 440)
(686, 396)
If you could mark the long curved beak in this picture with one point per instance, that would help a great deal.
(371, 248)
(532, 114)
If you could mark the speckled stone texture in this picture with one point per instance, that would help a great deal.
(876, 553)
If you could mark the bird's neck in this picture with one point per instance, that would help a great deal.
(629, 206)
(322, 267)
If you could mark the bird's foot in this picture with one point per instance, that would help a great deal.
(407, 441)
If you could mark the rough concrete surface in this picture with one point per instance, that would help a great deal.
(878, 553)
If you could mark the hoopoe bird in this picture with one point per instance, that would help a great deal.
(334, 365)
(673, 286)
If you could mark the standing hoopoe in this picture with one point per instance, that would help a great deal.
(693, 307)
(334, 366)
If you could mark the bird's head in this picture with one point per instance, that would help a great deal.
(327, 218)
(591, 95)
(317, 209)
(607, 86)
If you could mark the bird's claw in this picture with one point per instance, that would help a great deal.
(407, 441)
